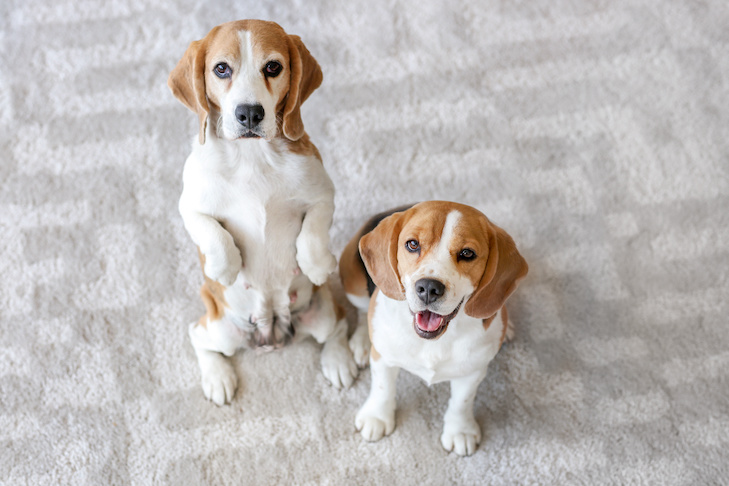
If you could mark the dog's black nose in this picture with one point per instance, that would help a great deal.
(429, 290)
(249, 115)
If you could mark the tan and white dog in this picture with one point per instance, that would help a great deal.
(257, 202)
(440, 274)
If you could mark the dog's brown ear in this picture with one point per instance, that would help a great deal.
(187, 81)
(505, 267)
(378, 249)
(306, 76)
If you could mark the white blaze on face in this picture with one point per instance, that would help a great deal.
(249, 88)
(440, 264)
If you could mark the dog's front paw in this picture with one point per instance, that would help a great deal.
(219, 380)
(375, 422)
(315, 260)
(337, 365)
(462, 437)
(224, 266)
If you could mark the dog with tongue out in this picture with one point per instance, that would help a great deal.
(433, 280)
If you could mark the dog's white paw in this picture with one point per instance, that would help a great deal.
(359, 343)
(337, 365)
(219, 380)
(375, 422)
(223, 266)
(315, 260)
(461, 437)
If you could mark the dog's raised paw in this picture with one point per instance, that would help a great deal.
(223, 267)
(314, 259)
(318, 269)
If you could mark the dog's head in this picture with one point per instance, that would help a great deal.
(245, 77)
(441, 256)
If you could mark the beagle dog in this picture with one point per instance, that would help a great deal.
(257, 202)
(438, 274)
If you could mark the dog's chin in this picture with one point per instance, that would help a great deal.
(429, 325)
(249, 134)
(242, 133)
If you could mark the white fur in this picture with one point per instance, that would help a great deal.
(460, 355)
(359, 343)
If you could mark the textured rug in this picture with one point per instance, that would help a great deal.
(595, 132)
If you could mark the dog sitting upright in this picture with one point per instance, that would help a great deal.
(257, 202)
(442, 273)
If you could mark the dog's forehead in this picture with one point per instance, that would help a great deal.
(426, 224)
(458, 223)
(262, 38)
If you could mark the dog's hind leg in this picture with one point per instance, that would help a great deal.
(326, 322)
(211, 342)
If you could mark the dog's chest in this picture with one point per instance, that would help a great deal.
(465, 347)
(251, 189)
(256, 194)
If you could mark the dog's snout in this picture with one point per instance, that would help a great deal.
(429, 290)
(249, 115)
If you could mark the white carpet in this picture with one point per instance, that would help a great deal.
(596, 133)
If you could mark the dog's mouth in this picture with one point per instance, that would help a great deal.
(429, 325)
(249, 134)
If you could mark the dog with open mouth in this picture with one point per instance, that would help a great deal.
(433, 279)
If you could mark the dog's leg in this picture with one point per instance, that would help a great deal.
(223, 259)
(337, 363)
(219, 380)
(376, 418)
(312, 245)
(359, 343)
(461, 433)
(320, 321)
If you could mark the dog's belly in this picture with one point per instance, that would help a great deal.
(266, 235)
(244, 302)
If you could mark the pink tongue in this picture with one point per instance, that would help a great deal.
(427, 321)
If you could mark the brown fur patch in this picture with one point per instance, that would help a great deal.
(487, 322)
(303, 147)
(339, 311)
(213, 297)
(504, 323)
(370, 312)
(351, 269)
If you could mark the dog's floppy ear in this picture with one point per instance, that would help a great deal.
(378, 249)
(187, 81)
(306, 76)
(504, 269)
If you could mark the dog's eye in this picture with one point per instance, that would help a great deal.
(412, 246)
(467, 254)
(222, 70)
(272, 69)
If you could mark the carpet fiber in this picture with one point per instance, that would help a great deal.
(596, 133)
